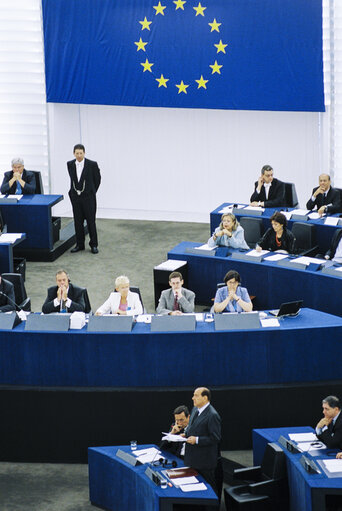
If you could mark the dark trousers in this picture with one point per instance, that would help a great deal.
(84, 208)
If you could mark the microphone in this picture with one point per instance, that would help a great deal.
(11, 301)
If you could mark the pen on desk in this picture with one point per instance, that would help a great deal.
(170, 485)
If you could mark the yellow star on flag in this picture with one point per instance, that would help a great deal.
(147, 66)
(159, 8)
(179, 4)
(202, 83)
(214, 25)
(140, 45)
(199, 9)
(215, 68)
(221, 47)
(145, 24)
(162, 81)
(182, 87)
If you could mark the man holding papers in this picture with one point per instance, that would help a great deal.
(324, 197)
(203, 434)
(182, 416)
(177, 300)
(329, 429)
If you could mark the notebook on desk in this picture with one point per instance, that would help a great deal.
(288, 309)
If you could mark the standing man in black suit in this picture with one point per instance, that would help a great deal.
(269, 192)
(18, 181)
(64, 297)
(202, 448)
(329, 429)
(85, 179)
(324, 197)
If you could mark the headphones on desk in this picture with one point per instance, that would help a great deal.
(163, 462)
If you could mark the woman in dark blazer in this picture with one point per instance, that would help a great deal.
(278, 237)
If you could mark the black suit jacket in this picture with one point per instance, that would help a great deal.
(332, 437)
(207, 427)
(27, 176)
(7, 288)
(333, 197)
(90, 178)
(75, 293)
(276, 194)
(334, 243)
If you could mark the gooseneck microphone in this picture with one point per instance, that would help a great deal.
(12, 302)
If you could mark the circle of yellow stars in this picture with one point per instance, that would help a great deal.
(214, 27)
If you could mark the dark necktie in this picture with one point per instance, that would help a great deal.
(176, 304)
(195, 415)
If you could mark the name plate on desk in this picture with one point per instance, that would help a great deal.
(237, 321)
(293, 265)
(128, 458)
(299, 218)
(243, 256)
(166, 323)
(332, 270)
(110, 323)
(48, 322)
(9, 320)
(201, 251)
(4, 200)
(243, 212)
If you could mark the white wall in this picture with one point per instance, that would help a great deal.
(179, 164)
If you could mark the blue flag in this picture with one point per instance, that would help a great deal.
(227, 54)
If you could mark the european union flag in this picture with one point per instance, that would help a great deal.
(227, 54)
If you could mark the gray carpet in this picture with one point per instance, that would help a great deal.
(131, 248)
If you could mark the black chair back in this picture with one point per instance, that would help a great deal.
(274, 462)
(291, 198)
(305, 235)
(39, 182)
(253, 228)
(20, 294)
(87, 308)
(135, 289)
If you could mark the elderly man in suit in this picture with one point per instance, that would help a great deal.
(18, 181)
(177, 300)
(325, 198)
(268, 192)
(203, 434)
(85, 179)
(329, 428)
(64, 297)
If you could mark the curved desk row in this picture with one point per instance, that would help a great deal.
(306, 348)
(324, 233)
(270, 283)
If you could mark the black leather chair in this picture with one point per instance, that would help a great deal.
(253, 228)
(305, 235)
(291, 199)
(21, 298)
(266, 486)
(135, 289)
(87, 309)
(39, 182)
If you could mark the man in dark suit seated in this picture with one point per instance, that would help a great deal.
(329, 429)
(182, 416)
(64, 297)
(18, 181)
(325, 198)
(203, 434)
(269, 192)
(177, 300)
(335, 251)
(7, 297)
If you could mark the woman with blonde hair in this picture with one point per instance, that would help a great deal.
(229, 233)
(122, 301)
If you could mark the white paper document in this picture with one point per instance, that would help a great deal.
(331, 220)
(314, 216)
(276, 257)
(15, 196)
(10, 237)
(307, 260)
(287, 214)
(205, 247)
(193, 487)
(170, 265)
(270, 322)
(144, 318)
(256, 253)
(229, 209)
(302, 212)
(303, 437)
(181, 481)
(146, 455)
(307, 446)
(333, 465)
(172, 438)
(254, 208)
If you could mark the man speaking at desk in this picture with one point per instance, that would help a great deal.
(64, 297)
(85, 179)
(18, 181)
(202, 448)
(329, 429)
(269, 192)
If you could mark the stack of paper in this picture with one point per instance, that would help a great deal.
(170, 265)
(147, 455)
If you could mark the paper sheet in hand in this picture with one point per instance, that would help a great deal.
(303, 437)
(333, 465)
(173, 438)
(269, 322)
(193, 487)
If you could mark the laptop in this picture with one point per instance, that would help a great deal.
(288, 309)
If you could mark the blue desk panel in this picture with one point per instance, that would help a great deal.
(324, 233)
(269, 283)
(304, 349)
(307, 491)
(6, 255)
(32, 215)
(116, 485)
